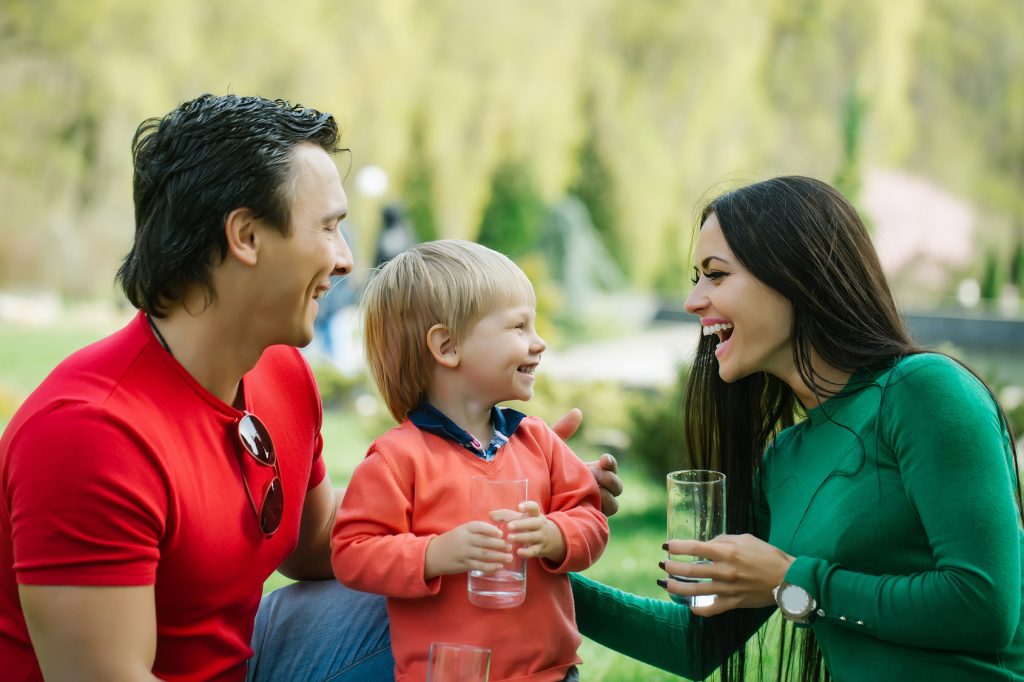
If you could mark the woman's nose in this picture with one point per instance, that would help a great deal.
(696, 301)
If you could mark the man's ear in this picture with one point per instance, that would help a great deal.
(242, 236)
(442, 346)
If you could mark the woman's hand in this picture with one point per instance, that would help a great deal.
(743, 572)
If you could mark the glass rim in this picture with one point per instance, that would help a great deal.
(462, 647)
(695, 476)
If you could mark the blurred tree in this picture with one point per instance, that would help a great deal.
(595, 188)
(638, 107)
(419, 190)
(514, 216)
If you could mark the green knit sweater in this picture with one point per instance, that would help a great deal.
(897, 498)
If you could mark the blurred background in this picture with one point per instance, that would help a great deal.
(578, 137)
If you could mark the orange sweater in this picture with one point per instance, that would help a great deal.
(413, 486)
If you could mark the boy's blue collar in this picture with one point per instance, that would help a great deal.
(504, 421)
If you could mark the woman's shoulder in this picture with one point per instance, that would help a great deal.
(928, 372)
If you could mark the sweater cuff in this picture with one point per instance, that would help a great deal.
(806, 572)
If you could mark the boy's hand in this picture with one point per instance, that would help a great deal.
(473, 546)
(537, 535)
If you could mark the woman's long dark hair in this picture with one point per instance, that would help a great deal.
(803, 239)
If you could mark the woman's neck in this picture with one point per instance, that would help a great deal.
(828, 381)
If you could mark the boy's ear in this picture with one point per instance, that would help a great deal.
(242, 236)
(442, 346)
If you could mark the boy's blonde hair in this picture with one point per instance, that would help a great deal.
(450, 282)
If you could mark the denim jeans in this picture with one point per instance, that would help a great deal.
(321, 631)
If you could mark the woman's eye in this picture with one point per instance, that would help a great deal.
(713, 275)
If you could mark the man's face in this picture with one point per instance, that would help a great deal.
(297, 268)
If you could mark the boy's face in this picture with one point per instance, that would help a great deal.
(499, 354)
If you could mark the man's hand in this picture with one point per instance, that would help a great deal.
(605, 469)
(473, 546)
(537, 535)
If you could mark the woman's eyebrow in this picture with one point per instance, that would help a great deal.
(704, 263)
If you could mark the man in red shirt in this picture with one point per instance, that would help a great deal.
(156, 478)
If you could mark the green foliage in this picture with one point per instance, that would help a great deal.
(596, 189)
(991, 277)
(640, 107)
(419, 190)
(848, 177)
(656, 431)
(514, 216)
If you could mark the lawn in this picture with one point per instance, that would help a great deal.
(27, 354)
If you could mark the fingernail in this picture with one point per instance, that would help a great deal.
(665, 547)
(662, 583)
(661, 565)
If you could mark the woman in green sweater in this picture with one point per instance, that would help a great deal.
(885, 524)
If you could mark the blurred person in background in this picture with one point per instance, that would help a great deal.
(885, 525)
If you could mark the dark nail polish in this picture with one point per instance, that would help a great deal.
(661, 565)
(665, 547)
(662, 583)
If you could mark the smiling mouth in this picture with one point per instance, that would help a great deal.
(527, 369)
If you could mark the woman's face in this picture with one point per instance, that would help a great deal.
(753, 322)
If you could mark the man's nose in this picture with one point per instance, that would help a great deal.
(342, 257)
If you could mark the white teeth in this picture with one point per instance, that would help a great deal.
(715, 328)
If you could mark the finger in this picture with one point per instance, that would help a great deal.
(482, 566)
(688, 569)
(569, 423)
(517, 528)
(527, 538)
(609, 505)
(608, 480)
(530, 508)
(607, 462)
(529, 551)
(483, 528)
(701, 550)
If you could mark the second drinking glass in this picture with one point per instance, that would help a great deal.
(696, 511)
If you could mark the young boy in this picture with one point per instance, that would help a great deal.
(449, 334)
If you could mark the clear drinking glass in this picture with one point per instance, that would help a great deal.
(696, 511)
(458, 663)
(497, 502)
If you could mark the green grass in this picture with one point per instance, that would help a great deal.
(28, 354)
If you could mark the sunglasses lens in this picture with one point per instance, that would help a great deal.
(272, 508)
(256, 439)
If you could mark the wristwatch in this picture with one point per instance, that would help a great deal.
(795, 603)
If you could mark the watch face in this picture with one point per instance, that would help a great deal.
(794, 600)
